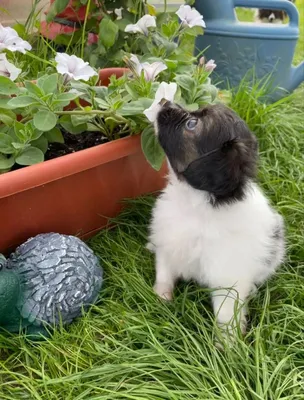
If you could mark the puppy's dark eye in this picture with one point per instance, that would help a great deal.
(191, 124)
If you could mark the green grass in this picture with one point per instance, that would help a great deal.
(133, 346)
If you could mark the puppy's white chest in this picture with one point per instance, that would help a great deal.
(211, 244)
(183, 232)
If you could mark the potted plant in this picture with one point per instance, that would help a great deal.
(70, 20)
(61, 113)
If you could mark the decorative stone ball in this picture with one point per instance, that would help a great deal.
(50, 279)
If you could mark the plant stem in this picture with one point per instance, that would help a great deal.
(76, 112)
(84, 29)
(38, 58)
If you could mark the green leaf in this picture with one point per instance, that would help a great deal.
(101, 91)
(35, 133)
(6, 144)
(67, 97)
(170, 28)
(151, 148)
(19, 146)
(192, 107)
(108, 32)
(50, 84)
(54, 136)
(20, 29)
(4, 102)
(102, 104)
(186, 82)
(8, 87)
(22, 101)
(20, 131)
(7, 117)
(135, 107)
(171, 64)
(63, 100)
(81, 119)
(194, 31)
(56, 8)
(32, 88)
(41, 143)
(6, 163)
(30, 155)
(65, 122)
(45, 120)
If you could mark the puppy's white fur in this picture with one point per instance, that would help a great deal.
(227, 248)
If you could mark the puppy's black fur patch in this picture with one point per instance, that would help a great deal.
(219, 155)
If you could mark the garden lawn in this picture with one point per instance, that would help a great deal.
(131, 345)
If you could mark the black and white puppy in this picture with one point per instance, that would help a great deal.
(271, 16)
(212, 222)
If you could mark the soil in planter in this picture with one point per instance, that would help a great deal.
(73, 143)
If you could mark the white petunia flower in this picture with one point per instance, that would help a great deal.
(8, 69)
(190, 16)
(150, 70)
(73, 67)
(210, 66)
(142, 25)
(10, 40)
(165, 91)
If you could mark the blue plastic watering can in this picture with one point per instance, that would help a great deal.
(238, 47)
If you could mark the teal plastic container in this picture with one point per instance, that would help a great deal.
(238, 47)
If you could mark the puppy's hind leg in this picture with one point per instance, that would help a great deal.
(165, 278)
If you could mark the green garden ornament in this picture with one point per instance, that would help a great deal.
(48, 280)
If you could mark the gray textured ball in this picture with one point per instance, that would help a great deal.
(59, 277)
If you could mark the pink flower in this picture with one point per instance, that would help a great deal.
(190, 16)
(210, 66)
(150, 70)
(142, 25)
(165, 91)
(92, 38)
(10, 40)
(73, 67)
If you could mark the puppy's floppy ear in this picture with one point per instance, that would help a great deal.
(224, 172)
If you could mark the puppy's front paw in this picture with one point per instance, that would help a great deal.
(230, 332)
(163, 290)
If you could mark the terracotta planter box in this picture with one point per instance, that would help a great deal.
(75, 194)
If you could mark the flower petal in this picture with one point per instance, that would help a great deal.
(19, 45)
(8, 69)
(142, 25)
(74, 67)
(152, 111)
(138, 67)
(165, 91)
(10, 40)
(190, 16)
(84, 73)
(210, 66)
(133, 28)
(183, 11)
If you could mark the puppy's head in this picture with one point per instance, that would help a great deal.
(271, 16)
(211, 149)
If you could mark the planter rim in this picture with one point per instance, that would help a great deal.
(48, 171)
